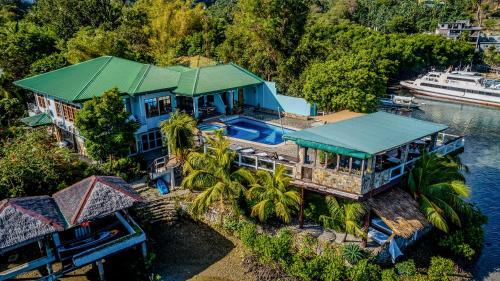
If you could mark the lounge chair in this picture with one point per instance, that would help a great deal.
(247, 151)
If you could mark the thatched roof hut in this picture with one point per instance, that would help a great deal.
(94, 197)
(399, 211)
(28, 218)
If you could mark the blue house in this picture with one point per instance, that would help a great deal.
(150, 94)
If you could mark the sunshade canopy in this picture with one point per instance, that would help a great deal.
(41, 119)
(364, 136)
(82, 81)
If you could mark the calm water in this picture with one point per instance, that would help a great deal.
(481, 127)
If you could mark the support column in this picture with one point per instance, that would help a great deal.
(100, 268)
(301, 216)
(144, 251)
(315, 157)
(196, 112)
(434, 138)
(230, 100)
(326, 160)
(338, 163)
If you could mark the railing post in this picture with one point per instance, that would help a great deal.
(256, 163)
(239, 159)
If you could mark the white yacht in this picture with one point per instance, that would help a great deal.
(458, 85)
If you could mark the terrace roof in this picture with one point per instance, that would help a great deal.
(37, 120)
(364, 136)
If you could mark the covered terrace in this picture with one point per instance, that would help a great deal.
(364, 155)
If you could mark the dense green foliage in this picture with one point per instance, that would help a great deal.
(437, 183)
(344, 216)
(179, 131)
(105, 125)
(31, 164)
(440, 269)
(211, 174)
(272, 195)
(406, 268)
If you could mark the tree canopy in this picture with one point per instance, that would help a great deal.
(106, 127)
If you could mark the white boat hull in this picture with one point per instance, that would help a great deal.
(452, 95)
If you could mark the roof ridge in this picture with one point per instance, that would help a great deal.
(195, 81)
(247, 71)
(92, 79)
(118, 188)
(84, 199)
(37, 215)
(141, 80)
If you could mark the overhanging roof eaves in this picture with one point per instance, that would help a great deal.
(369, 134)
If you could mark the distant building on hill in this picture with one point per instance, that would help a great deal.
(453, 30)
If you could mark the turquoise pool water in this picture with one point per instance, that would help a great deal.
(209, 127)
(253, 130)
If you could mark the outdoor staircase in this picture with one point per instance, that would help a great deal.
(156, 208)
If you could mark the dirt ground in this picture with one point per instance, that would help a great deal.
(194, 251)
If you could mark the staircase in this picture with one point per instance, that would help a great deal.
(156, 208)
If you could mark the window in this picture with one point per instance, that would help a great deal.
(164, 105)
(151, 140)
(58, 108)
(157, 106)
(41, 101)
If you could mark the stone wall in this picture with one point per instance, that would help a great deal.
(338, 180)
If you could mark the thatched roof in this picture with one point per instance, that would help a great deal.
(399, 211)
(27, 218)
(94, 197)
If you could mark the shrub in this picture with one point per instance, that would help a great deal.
(364, 271)
(389, 275)
(352, 253)
(334, 268)
(440, 269)
(126, 168)
(274, 248)
(248, 234)
(231, 224)
(406, 268)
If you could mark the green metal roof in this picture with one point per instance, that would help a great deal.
(366, 135)
(91, 78)
(215, 78)
(82, 81)
(37, 120)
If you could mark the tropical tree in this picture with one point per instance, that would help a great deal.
(211, 173)
(104, 123)
(439, 186)
(343, 215)
(273, 196)
(179, 130)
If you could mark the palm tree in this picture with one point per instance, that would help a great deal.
(211, 173)
(344, 216)
(439, 186)
(179, 130)
(273, 195)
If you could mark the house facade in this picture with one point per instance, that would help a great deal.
(150, 93)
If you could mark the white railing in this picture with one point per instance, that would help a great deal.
(258, 162)
(399, 170)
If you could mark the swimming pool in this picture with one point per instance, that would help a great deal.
(253, 130)
(209, 127)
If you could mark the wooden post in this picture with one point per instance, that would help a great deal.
(301, 216)
(366, 225)
(100, 268)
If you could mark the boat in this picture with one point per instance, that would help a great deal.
(394, 101)
(88, 242)
(462, 86)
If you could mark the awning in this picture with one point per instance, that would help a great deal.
(41, 119)
(366, 135)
